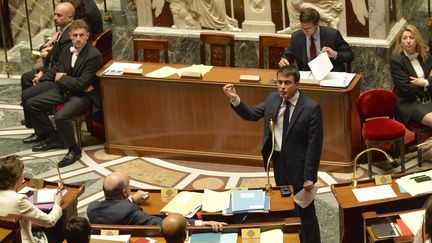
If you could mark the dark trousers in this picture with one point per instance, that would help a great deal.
(37, 107)
(309, 231)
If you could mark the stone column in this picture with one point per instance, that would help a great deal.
(258, 16)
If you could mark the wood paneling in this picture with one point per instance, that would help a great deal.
(192, 119)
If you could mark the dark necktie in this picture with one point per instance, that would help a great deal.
(312, 49)
(286, 119)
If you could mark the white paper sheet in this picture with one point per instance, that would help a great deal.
(320, 66)
(413, 220)
(413, 187)
(215, 201)
(337, 79)
(374, 193)
(305, 75)
(162, 72)
(303, 198)
(274, 236)
(198, 68)
(109, 238)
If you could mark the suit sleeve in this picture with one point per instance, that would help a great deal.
(138, 217)
(59, 67)
(250, 113)
(401, 79)
(36, 216)
(315, 141)
(344, 51)
(289, 52)
(87, 77)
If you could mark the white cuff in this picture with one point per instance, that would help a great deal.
(199, 223)
(426, 83)
(130, 198)
(236, 102)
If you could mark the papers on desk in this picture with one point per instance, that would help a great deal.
(185, 203)
(303, 198)
(374, 193)
(244, 200)
(413, 186)
(117, 68)
(274, 236)
(168, 71)
(213, 238)
(413, 220)
(215, 201)
(332, 79)
(110, 238)
(320, 66)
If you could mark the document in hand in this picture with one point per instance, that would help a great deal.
(185, 203)
(45, 196)
(244, 200)
(304, 197)
(109, 238)
(320, 66)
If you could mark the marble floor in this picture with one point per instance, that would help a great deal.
(95, 164)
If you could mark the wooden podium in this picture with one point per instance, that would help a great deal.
(350, 210)
(191, 119)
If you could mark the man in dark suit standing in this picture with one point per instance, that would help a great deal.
(77, 86)
(311, 39)
(63, 16)
(298, 139)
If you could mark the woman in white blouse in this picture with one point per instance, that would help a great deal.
(410, 68)
(17, 206)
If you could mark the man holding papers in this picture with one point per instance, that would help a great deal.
(311, 39)
(121, 208)
(298, 139)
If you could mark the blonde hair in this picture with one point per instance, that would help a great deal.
(420, 48)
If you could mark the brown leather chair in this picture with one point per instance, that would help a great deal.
(275, 46)
(218, 43)
(151, 49)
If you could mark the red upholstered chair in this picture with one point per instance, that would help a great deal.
(376, 110)
(103, 42)
(419, 132)
(79, 119)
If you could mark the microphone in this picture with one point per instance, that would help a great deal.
(271, 128)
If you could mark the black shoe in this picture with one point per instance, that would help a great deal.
(70, 158)
(47, 144)
(34, 138)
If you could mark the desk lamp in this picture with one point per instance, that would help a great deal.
(60, 182)
(389, 158)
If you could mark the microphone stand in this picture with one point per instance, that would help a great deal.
(268, 186)
(60, 182)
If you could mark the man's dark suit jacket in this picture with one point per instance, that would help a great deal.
(302, 143)
(401, 70)
(83, 74)
(53, 55)
(94, 18)
(119, 212)
(297, 50)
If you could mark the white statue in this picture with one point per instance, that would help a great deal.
(207, 13)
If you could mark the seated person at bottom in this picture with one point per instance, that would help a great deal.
(298, 133)
(174, 228)
(311, 39)
(18, 206)
(77, 86)
(77, 229)
(30, 85)
(121, 208)
(411, 68)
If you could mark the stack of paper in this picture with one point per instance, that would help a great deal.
(337, 79)
(413, 220)
(274, 236)
(110, 238)
(215, 201)
(248, 201)
(185, 203)
(117, 68)
(414, 186)
(374, 193)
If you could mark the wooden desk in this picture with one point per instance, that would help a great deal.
(280, 209)
(290, 227)
(9, 231)
(350, 210)
(192, 119)
(370, 218)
